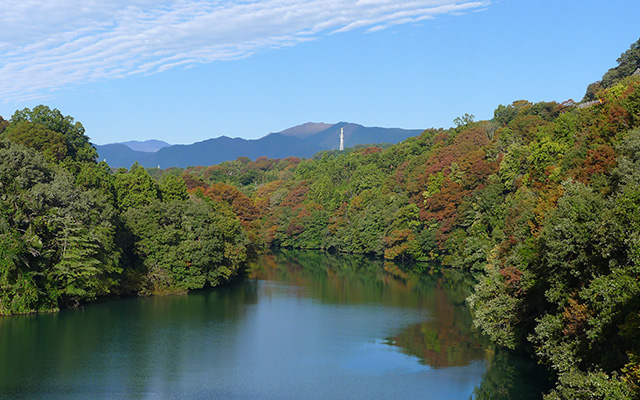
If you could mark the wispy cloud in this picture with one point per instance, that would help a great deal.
(50, 44)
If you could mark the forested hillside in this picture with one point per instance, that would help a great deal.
(542, 202)
(73, 230)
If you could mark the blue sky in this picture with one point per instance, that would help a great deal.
(185, 71)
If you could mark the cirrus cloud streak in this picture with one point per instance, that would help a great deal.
(47, 45)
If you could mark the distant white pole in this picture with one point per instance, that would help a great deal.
(341, 139)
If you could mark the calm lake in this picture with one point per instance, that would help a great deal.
(303, 325)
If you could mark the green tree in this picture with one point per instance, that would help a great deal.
(78, 146)
(22, 227)
(464, 120)
(173, 188)
(184, 245)
(135, 188)
(50, 143)
(57, 238)
(82, 226)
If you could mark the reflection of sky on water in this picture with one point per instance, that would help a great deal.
(380, 358)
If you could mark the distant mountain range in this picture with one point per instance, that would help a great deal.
(148, 146)
(299, 141)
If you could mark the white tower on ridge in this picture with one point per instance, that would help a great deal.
(341, 139)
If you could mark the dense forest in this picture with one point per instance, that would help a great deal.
(73, 230)
(542, 202)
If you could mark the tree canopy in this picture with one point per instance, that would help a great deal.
(73, 230)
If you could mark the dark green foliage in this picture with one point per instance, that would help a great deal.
(82, 228)
(77, 144)
(57, 238)
(50, 143)
(135, 188)
(21, 229)
(20, 168)
(98, 177)
(184, 245)
(576, 385)
(173, 188)
(62, 238)
(42, 214)
(569, 255)
(505, 114)
(579, 287)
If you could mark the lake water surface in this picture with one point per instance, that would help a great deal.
(304, 325)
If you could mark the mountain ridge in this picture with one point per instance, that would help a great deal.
(303, 141)
(147, 146)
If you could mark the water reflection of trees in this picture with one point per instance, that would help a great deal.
(38, 352)
(339, 279)
(440, 345)
(512, 376)
(51, 347)
(446, 339)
